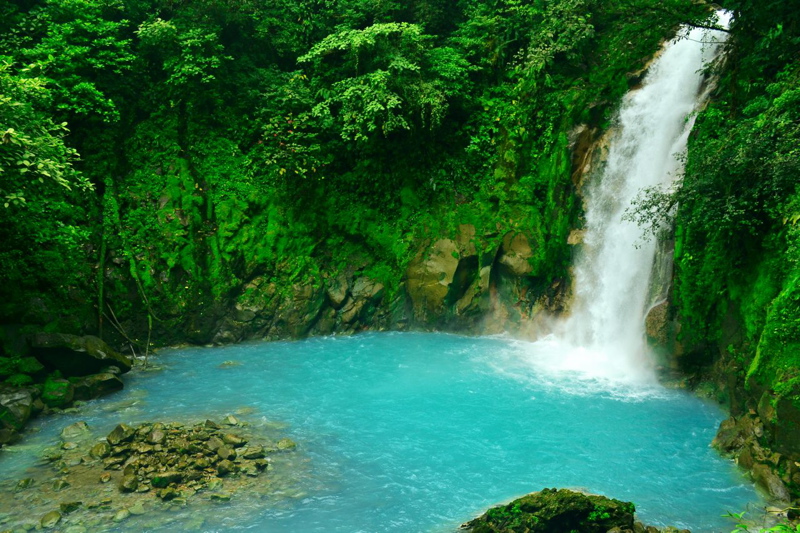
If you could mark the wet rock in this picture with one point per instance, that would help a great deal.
(50, 520)
(121, 515)
(231, 420)
(69, 446)
(221, 497)
(76, 529)
(261, 464)
(74, 431)
(105, 477)
(656, 324)
(76, 356)
(211, 424)
(120, 434)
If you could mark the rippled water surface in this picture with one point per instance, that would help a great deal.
(419, 432)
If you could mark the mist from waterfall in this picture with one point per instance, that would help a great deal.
(603, 337)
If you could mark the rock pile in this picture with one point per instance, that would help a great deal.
(150, 475)
(176, 460)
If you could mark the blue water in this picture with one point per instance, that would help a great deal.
(415, 432)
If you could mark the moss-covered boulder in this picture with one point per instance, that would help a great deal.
(58, 392)
(556, 511)
(76, 356)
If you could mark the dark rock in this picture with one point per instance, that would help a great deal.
(69, 507)
(76, 356)
(96, 385)
(119, 434)
(15, 407)
(261, 464)
(211, 424)
(8, 436)
(556, 511)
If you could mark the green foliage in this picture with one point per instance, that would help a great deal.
(743, 527)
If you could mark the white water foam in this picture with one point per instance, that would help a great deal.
(602, 343)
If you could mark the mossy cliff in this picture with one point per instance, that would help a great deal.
(733, 321)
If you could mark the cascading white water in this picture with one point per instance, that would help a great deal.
(604, 336)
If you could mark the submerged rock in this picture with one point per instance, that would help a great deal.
(50, 520)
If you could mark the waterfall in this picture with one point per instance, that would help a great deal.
(603, 338)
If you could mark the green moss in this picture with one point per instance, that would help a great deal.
(19, 380)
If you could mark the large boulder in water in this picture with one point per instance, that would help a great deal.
(556, 511)
(76, 356)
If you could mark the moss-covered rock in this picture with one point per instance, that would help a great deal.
(556, 511)
(57, 392)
